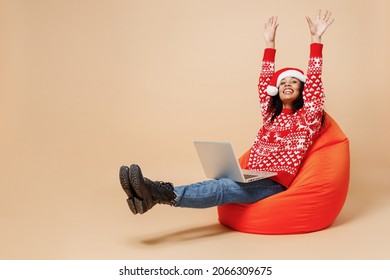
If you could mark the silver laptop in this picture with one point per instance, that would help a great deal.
(219, 160)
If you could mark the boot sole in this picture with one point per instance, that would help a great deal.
(140, 206)
(126, 186)
(142, 199)
(125, 180)
(132, 206)
(134, 175)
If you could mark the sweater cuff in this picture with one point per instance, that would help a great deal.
(316, 50)
(269, 54)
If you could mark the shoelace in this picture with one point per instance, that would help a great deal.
(161, 186)
(163, 191)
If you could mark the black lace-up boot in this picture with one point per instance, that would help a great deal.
(147, 192)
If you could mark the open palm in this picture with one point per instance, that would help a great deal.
(321, 23)
(270, 29)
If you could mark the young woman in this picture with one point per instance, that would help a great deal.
(292, 112)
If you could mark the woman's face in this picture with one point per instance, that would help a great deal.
(289, 91)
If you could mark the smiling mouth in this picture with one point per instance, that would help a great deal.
(288, 91)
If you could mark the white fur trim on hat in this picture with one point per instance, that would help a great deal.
(274, 83)
(290, 73)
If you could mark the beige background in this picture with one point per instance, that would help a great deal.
(86, 86)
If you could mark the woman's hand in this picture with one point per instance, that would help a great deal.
(270, 31)
(318, 27)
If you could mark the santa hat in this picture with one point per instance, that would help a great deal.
(272, 88)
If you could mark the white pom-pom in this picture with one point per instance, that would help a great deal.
(271, 90)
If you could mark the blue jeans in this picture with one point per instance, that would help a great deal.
(223, 191)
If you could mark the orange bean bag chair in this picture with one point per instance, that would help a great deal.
(314, 198)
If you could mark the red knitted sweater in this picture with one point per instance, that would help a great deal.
(281, 144)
